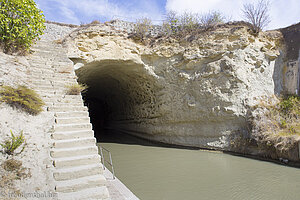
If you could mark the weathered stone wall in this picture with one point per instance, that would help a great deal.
(291, 64)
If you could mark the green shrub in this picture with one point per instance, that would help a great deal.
(290, 106)
(20, 23)
(14, 143)
(75, 89)
(22, 98)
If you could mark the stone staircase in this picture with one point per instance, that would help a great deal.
(78, 172)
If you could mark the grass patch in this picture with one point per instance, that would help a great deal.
(290, 130)
(75, 89)
(11, 145)
(22, 98)
(283, 117)
(289, 107)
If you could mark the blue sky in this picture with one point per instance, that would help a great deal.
(283, 12)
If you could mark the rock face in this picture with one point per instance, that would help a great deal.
(194, 93)
(289, 67)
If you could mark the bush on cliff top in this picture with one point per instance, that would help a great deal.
(21, 22)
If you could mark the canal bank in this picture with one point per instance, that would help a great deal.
(154, 172)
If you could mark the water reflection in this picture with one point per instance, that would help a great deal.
(155, 172)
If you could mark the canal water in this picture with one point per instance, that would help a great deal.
(160, 172)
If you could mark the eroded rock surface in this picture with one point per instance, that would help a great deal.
(195, 93)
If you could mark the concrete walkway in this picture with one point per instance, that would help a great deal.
(117, 190)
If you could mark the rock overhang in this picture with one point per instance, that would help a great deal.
(192, 95)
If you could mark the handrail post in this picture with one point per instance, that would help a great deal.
(110, 160)
(112, 166)
(102, 157)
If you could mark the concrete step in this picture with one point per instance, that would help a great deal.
(80, 183)
(51, 69)
(53, 82)
(41, 67)
(69, 103)
(72, 135)
(75, 151)
(71, 114)
(77, 172)
(46, 97)
(72, 127)
(50, 92)
(90, 193)
(45, 54)
(53, 76)
(41, 82)
(70, 98)
(72, 120)
(43, 87)
(61, 102)
(78, 142)
(76, 161)
(37, 62)
(41, 70)
(67, 109)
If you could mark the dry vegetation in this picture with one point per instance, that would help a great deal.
(22, 98)
(12, 170)
(283, 117)
(75, 89)
(257, 15)
(273, 130)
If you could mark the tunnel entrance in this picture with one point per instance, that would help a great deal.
(120, 96)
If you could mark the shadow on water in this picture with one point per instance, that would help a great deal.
(113, 136)
(116, 137)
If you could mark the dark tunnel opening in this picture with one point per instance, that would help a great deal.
(119, 96)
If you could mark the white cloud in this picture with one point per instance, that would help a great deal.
(69, 14)
(282, 12)
(74, 10)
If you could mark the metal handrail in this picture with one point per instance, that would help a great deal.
(105, 161)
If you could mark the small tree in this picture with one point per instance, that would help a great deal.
(171, 22)
(210, 19)
(20, 23)
(257, 15)
(188, 22)
(142, 27)
(180, 24)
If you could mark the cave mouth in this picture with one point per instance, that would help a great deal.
(119, 95)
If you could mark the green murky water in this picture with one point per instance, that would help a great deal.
(162, 173)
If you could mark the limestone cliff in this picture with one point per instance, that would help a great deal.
(193, 92)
